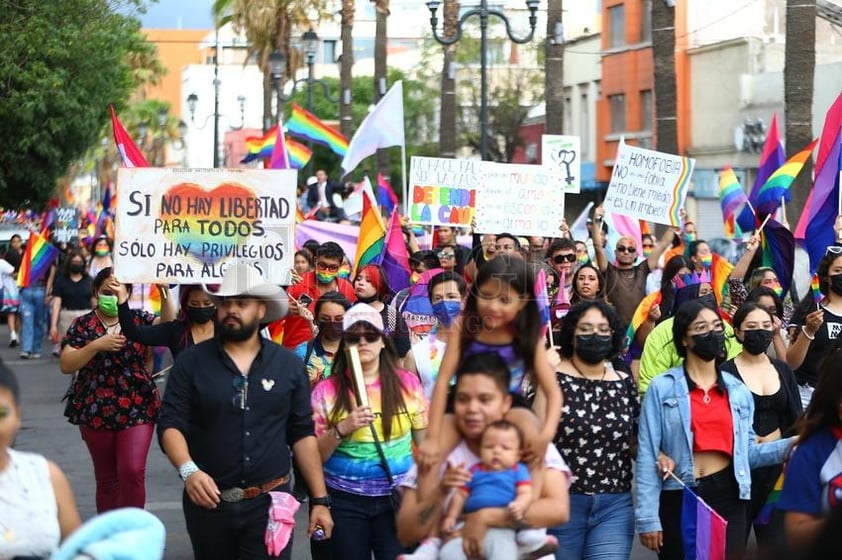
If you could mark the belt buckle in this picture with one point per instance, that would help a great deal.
(232, 495)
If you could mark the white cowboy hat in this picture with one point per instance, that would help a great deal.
(243, 279)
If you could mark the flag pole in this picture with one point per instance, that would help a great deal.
(763, 225)
(403, 177)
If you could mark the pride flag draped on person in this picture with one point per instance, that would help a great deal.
(36, 260)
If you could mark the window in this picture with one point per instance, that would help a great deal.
(646, 21)
(567, 125)
(617, 105)
(617, 29)
(646, 109)
(329, 52)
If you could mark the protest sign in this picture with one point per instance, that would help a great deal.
(185, 226)
(648, 185)
(65, 225)
(519, 199)
(442, 191)
(562, 154)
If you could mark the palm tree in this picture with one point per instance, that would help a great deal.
(799, 67)
(666, 101)
(554, 71)
(346, 108)
(447, 118)
(268, 26)
(380, 68)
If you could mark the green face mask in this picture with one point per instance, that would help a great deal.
(107, 305)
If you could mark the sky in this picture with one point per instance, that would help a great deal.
(178, 14)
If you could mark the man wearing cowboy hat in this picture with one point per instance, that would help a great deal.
(233, 407)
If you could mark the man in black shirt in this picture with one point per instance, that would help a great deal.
(234, 406)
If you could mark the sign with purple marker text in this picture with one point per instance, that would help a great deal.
(648, 185)
(520, 199)
(184, 226)
(442, 191)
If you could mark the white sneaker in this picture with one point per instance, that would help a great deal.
(428, 550)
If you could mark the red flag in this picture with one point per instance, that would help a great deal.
(129, 152)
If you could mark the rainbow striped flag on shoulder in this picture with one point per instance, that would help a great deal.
(37, 258)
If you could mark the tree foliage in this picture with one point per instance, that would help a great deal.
(61, 64)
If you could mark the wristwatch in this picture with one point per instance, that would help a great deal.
(322, 501)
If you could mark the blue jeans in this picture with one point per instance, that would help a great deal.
(363, 525)
(33, 317)
(601, 527)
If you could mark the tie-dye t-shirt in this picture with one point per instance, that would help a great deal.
(354, 466)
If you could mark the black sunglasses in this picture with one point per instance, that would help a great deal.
(623, 249)
(355, 338)
(570, 257)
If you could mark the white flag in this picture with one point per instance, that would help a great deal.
(382, 128)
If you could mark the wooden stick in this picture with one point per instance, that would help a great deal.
(164, 371)
(678, 480)
(353, 355)
(763, 225)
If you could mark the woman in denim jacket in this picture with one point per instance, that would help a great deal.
(696, 422)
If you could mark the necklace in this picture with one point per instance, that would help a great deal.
(112, 328)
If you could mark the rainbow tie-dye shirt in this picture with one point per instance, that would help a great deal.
(354, 466)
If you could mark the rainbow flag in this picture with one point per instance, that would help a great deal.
(372, 235)
(395, 259)
(299, 215)
(702, 529)
(304, 124)
(764, 516)
(299, 154)
(641, 314)
(720, 269)
(276, 331)
(731, 198)
(771, 158)
(815, 287)
(36, 260)
(260, 147)
(542, 299)
(777, 186)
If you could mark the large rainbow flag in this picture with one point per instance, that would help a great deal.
(372, 235)
(304, 124)
(731, 198)
(37, 258)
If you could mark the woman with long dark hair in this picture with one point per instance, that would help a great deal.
(195, 322)
(588, 284)
(319, 353)
(367, 449)
(813, 479)
(696, 423)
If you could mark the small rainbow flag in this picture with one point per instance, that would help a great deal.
(299, 215)
(816, 289)
(37, 258)
(777, 185)
(372, 235)
(731, 198)
(260, 147)
(304, 124)
(642, 313)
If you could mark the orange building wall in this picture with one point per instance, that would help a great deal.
(630, 71)
(177, 48)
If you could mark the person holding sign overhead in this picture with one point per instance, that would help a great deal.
(625, 282)
(367, 413)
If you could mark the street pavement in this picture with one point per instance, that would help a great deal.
(44, 430)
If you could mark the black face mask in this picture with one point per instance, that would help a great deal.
(593, 348)
(77, 268)
(708, 300)
(709, 346)
(836, 284)
(756, 341)
(200, 315)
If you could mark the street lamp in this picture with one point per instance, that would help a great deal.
(162, 126)
(193, 100)
(483, 11)
(310, 46)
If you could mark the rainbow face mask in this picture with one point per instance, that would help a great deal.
(690, 237)
(706, 261)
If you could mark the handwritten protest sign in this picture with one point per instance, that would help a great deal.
(186, 225)
(65, 224)
(442, 191)
(648, 185)
(519, 199)
(562, 154)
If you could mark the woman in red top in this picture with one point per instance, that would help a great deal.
(114, 399)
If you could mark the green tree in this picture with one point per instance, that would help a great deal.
(61, 64)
